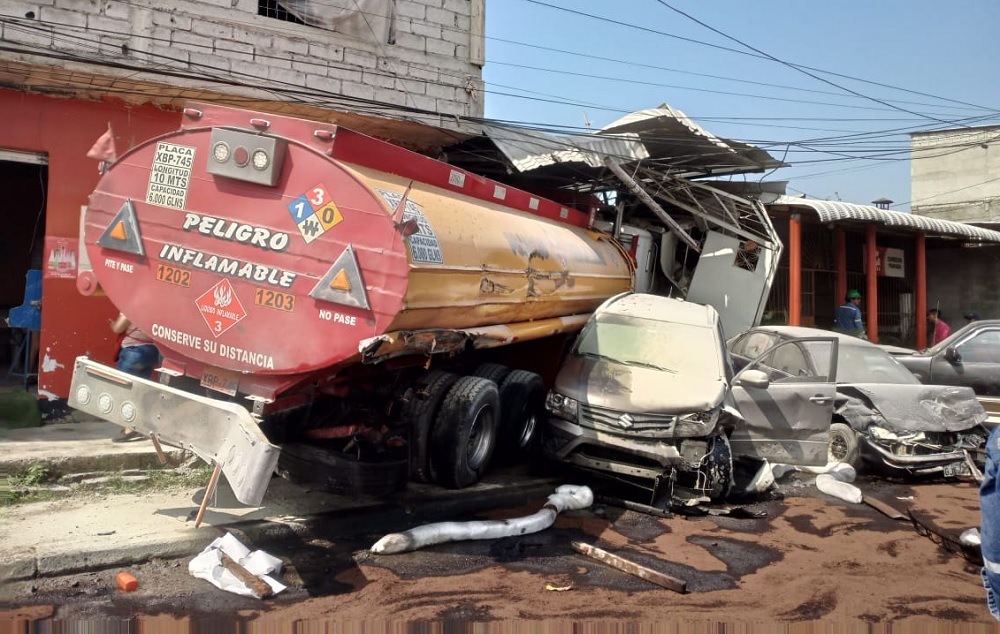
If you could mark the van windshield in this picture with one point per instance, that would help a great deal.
(694, 351)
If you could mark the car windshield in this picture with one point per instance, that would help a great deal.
(868, 364)
(695, 351)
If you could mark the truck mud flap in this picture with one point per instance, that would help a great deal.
(216, 431)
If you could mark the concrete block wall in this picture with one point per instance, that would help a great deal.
(960, 280)
(955, 174)
(223, 45)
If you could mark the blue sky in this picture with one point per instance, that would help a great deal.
(564, 63)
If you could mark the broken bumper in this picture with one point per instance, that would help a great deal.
(569, 442)
(216, 431)
(948, 464)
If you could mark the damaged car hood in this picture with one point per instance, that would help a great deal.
(908, 408)
(627, 388)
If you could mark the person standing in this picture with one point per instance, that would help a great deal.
(941, 328)
(136, 355)
(971, 316)
(847, 319)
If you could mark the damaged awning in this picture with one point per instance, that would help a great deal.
(837, 211)
(662, 138)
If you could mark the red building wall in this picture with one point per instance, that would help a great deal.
(65, 129)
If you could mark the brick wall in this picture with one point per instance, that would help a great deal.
(432, 63)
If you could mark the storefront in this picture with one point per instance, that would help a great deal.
(832, 247)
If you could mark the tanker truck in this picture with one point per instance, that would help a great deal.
(334, 307)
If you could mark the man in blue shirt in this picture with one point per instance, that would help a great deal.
(847, 319)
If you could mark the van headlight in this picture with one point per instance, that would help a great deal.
(562, 406)
(697, 424)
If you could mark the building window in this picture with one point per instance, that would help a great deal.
(273, 9)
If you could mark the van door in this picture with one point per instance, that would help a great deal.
(786, 397)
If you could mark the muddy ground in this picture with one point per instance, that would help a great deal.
(809, 558)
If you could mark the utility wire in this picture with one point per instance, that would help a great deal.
(793, 66)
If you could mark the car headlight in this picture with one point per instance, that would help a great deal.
(697, 424)
(562, 406)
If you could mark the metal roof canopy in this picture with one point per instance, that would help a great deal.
(837, 211)
(662, 138)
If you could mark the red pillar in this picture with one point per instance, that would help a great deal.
(871, 278)
(795, 270)
(920, 290)
(840, 254)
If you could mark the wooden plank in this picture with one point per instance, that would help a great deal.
(884, 508)
(632, 568)
(257, 585)
(209, 490)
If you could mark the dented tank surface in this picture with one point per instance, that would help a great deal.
(909, 408)
(285, 265)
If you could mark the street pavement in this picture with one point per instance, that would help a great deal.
(83, 531)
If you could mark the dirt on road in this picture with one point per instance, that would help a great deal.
(810, 558)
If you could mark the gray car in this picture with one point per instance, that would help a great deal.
(648, 394)
(883, 415)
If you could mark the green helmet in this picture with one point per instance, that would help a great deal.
(853, 294)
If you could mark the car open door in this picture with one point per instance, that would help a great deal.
(786, 398)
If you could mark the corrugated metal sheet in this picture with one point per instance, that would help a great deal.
(529, 150)
(664, 135)
(834, 211)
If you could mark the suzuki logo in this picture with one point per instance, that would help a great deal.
(625, 421)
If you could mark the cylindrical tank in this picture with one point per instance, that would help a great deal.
(196, 245)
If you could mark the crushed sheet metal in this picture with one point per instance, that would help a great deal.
(399, 343)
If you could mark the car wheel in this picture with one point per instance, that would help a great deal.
(843, 445)
(522, 398)
(420, 413)
(465, 432)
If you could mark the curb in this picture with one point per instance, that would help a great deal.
(427, 504)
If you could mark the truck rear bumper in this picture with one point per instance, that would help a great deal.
(216, 431)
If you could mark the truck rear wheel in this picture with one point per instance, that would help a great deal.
(492, 371)
(420, 412)
(465, 432)
(522, 399)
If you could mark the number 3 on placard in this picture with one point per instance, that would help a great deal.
(319, 198)
(218, 326)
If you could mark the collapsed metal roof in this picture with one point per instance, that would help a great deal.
(663, 139)
(837, 211)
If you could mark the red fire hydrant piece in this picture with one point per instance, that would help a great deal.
(126, 581)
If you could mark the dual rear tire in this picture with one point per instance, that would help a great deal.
(459, 423)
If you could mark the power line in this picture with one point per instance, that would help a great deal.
(793, 66)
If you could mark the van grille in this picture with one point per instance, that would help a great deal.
(610, 420)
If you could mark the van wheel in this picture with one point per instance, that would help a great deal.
(420, 412)
(720, 467)
(843, 445)
(465, 432)
(522, 395)
(492, 371)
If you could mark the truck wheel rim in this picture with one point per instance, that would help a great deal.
(481, 437)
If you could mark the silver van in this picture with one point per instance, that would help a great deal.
(647, 394)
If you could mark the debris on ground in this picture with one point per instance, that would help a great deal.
(566, 497)
(229, 565)
(632, 568)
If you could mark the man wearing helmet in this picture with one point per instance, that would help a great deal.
(848, 319)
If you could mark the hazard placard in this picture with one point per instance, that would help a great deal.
(220, 307)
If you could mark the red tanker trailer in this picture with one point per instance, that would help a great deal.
(318, 290)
